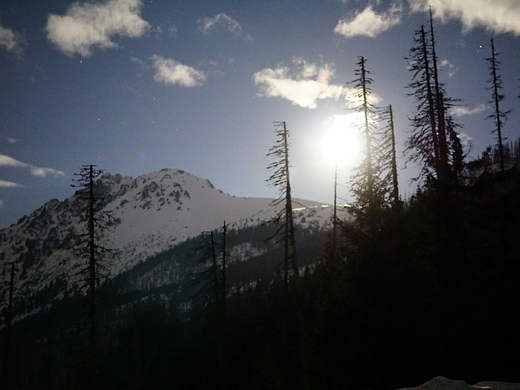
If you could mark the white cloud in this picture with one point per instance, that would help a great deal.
(6, 161)
(169, 71)
(369, 23)
(304, 87)
(95, 24)
(223, 21)
(9, 184)
(465, 111)
(10, 40)
(305, 84)
(499, 16)
(44, 172)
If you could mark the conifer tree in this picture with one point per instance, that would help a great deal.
(423, 144)
(499, 116)
(368, 186)
(281, 180)
(434, 142)
(388, 156)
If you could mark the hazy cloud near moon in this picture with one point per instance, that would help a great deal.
(304, 84)
(90, 25)
(303, 87)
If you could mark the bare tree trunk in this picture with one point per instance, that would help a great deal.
(439, 100)
(7, 351)
(290, 246)
(92, 282)
(496, 98)
(395, 182)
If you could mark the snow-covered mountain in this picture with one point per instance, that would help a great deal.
(152, 213)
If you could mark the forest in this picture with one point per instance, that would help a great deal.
(402, 291)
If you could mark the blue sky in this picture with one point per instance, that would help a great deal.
(136, 86)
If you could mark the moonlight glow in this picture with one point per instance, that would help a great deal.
(340, 143)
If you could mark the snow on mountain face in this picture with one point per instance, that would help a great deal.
(152, 213)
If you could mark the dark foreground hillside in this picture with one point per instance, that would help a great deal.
(434, 291)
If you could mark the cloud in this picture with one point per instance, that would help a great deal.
(169, 71)
(499, 16)
(304, 87)
(6, 161)
(223, 21)
(10, 40)
(464, 111)
(94, 24)
(44, 172)
(9, 184)
(369, 23)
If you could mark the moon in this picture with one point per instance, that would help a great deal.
(340, 143)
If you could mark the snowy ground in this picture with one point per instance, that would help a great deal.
(442, 383)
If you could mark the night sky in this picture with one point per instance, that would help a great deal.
(136, 86)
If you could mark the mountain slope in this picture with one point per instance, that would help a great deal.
(152, 213)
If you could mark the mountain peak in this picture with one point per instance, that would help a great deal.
(152, 212)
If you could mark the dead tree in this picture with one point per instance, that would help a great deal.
(280, 179)
(91, 268)
(499, 116)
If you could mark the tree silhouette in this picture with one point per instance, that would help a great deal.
(281, 180)
(434, 142)
(423, 144)
(368, 183)
(499, 116)
(388, 155)
(92, 268)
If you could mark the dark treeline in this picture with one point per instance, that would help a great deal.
(429, 293)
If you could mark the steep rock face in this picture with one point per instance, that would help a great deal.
(151, 213)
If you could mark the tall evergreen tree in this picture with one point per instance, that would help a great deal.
(281, 180)
(496, 85)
